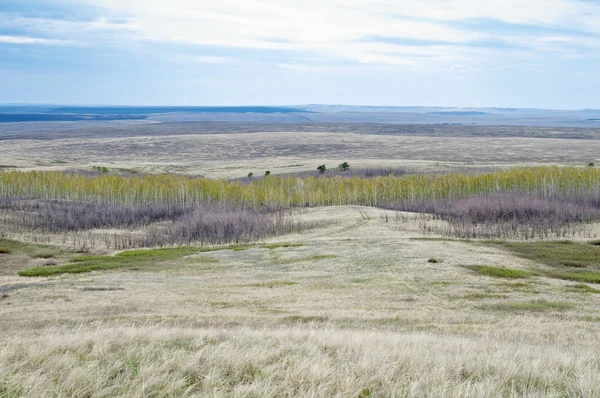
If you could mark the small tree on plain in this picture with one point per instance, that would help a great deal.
(268, 173)
(344, 166)
(250, 174)
(322, 169)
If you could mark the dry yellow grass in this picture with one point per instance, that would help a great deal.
(319, 362)
(356, 310)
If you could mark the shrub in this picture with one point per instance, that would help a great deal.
(509, 215)
(344, 166)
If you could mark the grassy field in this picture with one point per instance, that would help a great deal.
(358, 302)
(354, 308)
(235, 155)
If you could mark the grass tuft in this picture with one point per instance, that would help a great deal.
(483, 296)
(498, 272)
(582, 288)
(44, 255)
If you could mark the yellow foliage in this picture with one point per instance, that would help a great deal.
(287, 191)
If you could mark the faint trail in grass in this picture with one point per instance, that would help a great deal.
(364, 219)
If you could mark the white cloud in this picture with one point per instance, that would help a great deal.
(338, 28)
(341, 30)
(67, 30)
(29, 40)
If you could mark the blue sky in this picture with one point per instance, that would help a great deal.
(508, 53)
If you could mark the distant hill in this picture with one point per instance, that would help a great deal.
(313, 113)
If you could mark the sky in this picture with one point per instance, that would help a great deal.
(463, 53)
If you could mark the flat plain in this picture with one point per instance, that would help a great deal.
(229, 150)
(369, 302)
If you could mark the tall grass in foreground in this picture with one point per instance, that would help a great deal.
(168, 361)
(285, 192)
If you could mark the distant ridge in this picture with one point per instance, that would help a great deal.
(127, 110)
(313, 113)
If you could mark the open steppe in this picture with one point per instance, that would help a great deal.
(225, 150)
(355, 308)
(360, 302)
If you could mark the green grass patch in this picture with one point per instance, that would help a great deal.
(532, 306)
(168, 253)
(559, 254)
(34, 250)
(81, 259)
(132, 259)
(498, 272)
(143, 258)
(17, 255)
(320, 257)
(582, 288)
(516, 285)
(44, 255)
(12, 246)
(586, 276)
(483, 296)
